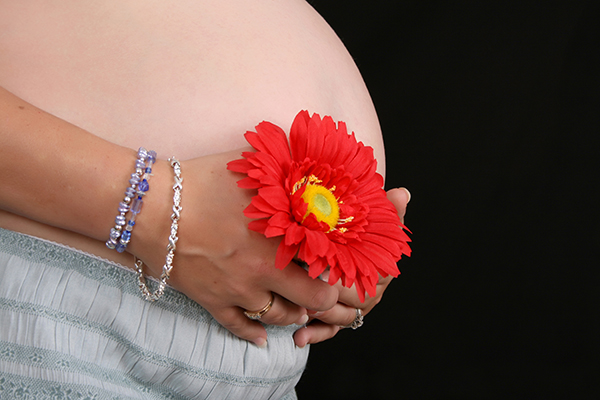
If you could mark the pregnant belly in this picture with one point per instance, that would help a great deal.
(186, 78)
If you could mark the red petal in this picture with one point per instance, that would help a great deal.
(269, 180)
(312, 223)
(405, 249)
(371, 185)
(248, 183)
(330, 141)
(258, 225)
(252, 212)
(280, 219)
(241, 165)
(317, 268)
(255, 141)
(316, 137)
(383, 231)
(261, 204)
(346, 262)
(270, 139)
(285, 254)
(369, 286)
(360, 289)
(334, 274)
(294, 234)
(346, 150)
(256, 173)
(272, 166)
(274, 231)
(380, 259)
(362, 162)
(390, 245)
(275, 143)
(364, 266)
(299, 136)
(278, 224)
(318, 243)
(342, 129)
(276, 197)
(384, 216)
(305, 253)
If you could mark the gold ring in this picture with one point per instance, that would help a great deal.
(256, 315)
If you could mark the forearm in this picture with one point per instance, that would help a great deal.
(56, 173)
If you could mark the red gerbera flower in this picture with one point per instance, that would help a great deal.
(322, 193)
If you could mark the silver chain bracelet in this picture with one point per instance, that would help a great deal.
(177, 187)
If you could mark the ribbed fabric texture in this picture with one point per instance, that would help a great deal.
(74, 326)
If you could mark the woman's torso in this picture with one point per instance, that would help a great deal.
(186, 78)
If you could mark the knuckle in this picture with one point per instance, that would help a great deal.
(323, 299)
(350, 318)
(238, 328)
(278, 319)
(234, 326)
(233, 322)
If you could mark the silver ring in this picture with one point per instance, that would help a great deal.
(358, 321)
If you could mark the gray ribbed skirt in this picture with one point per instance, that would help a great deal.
(74, 326)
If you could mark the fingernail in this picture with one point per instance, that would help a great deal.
(315, 313)
(261, 342)
(303, 320)
(408, 193)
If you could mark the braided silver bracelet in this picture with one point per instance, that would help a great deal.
(168, 266)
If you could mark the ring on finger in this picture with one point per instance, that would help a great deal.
(358, 321)
(256, 315)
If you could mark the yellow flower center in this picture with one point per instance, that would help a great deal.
(320, 201)
(322, 204)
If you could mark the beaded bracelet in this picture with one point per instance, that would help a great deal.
(136, 205)
(171, 246)
(120, 234)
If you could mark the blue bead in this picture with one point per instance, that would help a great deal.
(120, 247)
(123, 207)
(115, 233)
(136, 206)
(151, 156)
(126, 236)
(134, 179)
(142, 153)
(143, 186)
(130, 192)
(148, 170)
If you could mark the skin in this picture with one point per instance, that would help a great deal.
(86, 84)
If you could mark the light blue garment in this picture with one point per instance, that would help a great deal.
(74, 326)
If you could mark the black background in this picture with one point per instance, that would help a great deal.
(490, 113)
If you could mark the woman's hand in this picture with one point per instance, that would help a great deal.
(326, 324)
(219, 262)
